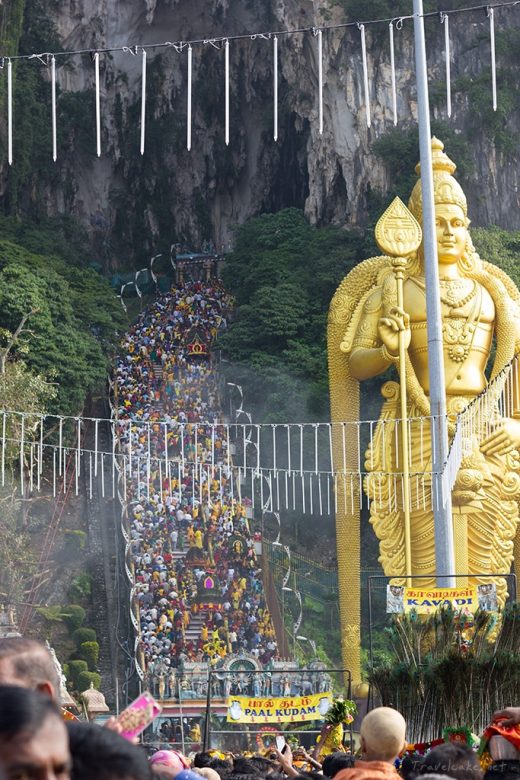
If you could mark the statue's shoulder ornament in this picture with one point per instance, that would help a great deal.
(360, 290)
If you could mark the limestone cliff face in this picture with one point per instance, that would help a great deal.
(132, 204)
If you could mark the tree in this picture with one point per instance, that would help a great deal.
(74, 323)
(283, 273)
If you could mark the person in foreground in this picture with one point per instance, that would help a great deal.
(382, 740)
(102, 754)
(29, 664)
(33, 738)
(459, 762)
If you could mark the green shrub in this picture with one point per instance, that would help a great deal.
(81, 635)
(52, 614)
(75, 541)
(73, 616)
(90, 652)
(80, 587)
(85, 678)
(75, 669)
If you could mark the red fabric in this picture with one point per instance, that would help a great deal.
(511, 733)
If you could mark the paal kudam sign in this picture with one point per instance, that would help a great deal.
(424, 601)
(284, 709)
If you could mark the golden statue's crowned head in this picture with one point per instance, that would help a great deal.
(447, 194)
(446, 189)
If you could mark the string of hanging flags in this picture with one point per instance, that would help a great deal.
(304, 466)
(224, 44)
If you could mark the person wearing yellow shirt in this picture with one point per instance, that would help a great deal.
(198, 538)
(204, 633)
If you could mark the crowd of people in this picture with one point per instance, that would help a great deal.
(36, 743)
(192, 547)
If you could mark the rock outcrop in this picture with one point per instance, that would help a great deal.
(130, 204)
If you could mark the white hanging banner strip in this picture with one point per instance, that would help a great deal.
(491, 14)
(96, 446)
(226, 57)
(22, 442)
(143, 99)
(53, 99)
(445, 19)
(320, 79)
(9, 112)
(392, 70)
(188, 127)
(275, 88)
(98, 105)
(365, 72)
(4, 444)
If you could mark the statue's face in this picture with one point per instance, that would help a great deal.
(451, 232)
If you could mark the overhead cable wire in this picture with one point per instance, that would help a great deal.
(180, 45)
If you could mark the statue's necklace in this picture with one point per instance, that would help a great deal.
(451, 300)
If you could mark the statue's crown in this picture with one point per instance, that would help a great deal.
(446, 189)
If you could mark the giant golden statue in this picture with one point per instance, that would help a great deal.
(480, 310)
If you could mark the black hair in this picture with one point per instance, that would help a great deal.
(31, 661)
(454, 760)
(335, 762)
(504, 770)
(264, 765)
(23, 710)
(245, 766)
(220, 765)
(238, 776)
(308, 776)
(202, 759)
(411, 766)
(101, 753)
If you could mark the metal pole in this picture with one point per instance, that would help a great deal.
(181, 715)
(399, 264)
(443, 527)
(207, 722)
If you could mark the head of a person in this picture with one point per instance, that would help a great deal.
(220, 765)
(335, 762)
(452, 760)
(382, 734)
(309, 776)
(168, 763)
(202, 759)
(505, 769)
(101, 753)
(264, 765)
(209, 773)
(245, 766)
(33, 739)
(28, 663)
(411, 766)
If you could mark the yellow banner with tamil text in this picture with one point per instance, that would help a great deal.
(425, 601)
(283, 709)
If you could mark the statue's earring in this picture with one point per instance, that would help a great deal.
(466, 262)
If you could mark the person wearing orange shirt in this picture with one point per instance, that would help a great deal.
(382, 740)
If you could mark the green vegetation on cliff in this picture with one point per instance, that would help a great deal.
(72, 320)
(283, 273)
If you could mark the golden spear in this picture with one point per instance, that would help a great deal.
(399, 235)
